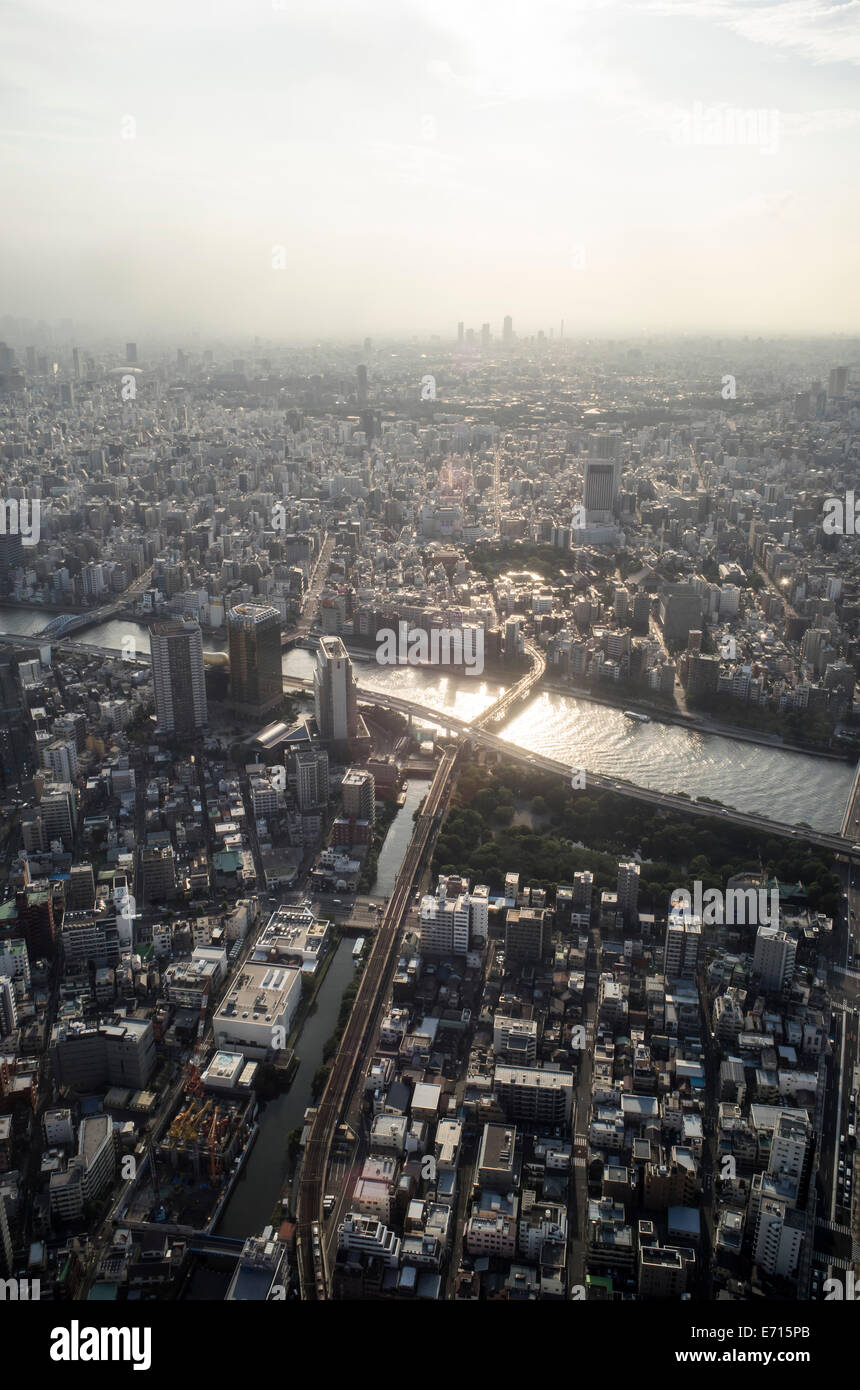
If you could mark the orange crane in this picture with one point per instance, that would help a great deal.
(214, 1154)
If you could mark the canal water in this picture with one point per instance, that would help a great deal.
(262, 1179)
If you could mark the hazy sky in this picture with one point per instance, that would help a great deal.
(421, 163)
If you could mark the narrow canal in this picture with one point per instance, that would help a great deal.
(261, 1182)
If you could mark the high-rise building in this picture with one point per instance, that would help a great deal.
(254, 642)
(448, 919)
(508, 331)
(600, 483)
(683, 936)
(838, 382)
(773, 958)
(461, 330)
(131, 354)
(361, 383)
(485, 337)
(334, 692)
(61, 757)
(312, 779)
(8, 1008)
(779, 1235)
(527, 936)
(178, 677)
(628, 890)
(359, 795)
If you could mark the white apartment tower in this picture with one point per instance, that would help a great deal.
(334, 692)
(683, 935)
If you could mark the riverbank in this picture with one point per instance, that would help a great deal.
(659, 715)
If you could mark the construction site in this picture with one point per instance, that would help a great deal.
(192, 1163)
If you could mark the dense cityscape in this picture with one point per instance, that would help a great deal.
(429, 657)
(323, 973)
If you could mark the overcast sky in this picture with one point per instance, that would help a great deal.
(425, 162)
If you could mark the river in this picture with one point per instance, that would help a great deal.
(783, 785)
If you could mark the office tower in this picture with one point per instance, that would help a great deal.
(508, 331)
(35, 909)
(527, 936)
(461, 328)
(361, 377)
(312, 779)
(604, 445)
(334, 692)
(600, 481)
(8, 1008)
(81, 888)
(157, 871)
(178, 677)
(91, 1057)
(359, 795)
(680, 610)
(773, 958)
(485, 336)
(814, 644)
(838, 382)
(17, 757)
(254, 641)
(628, 891)
(131, 354)
(681, 948)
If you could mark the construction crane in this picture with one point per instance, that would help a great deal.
(214, 1154)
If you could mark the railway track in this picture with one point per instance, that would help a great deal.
(358, 1036)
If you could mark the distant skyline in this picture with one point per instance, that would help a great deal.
(411, 165)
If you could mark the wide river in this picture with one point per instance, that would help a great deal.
(786, 786)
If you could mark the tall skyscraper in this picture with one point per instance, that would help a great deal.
(508, 331)
(461, 328)
(485, 337)
(131, 354)
(334, 692)
(254, 642)
(178, 677)
(361, 379)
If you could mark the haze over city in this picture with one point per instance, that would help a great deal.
(674, 165)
